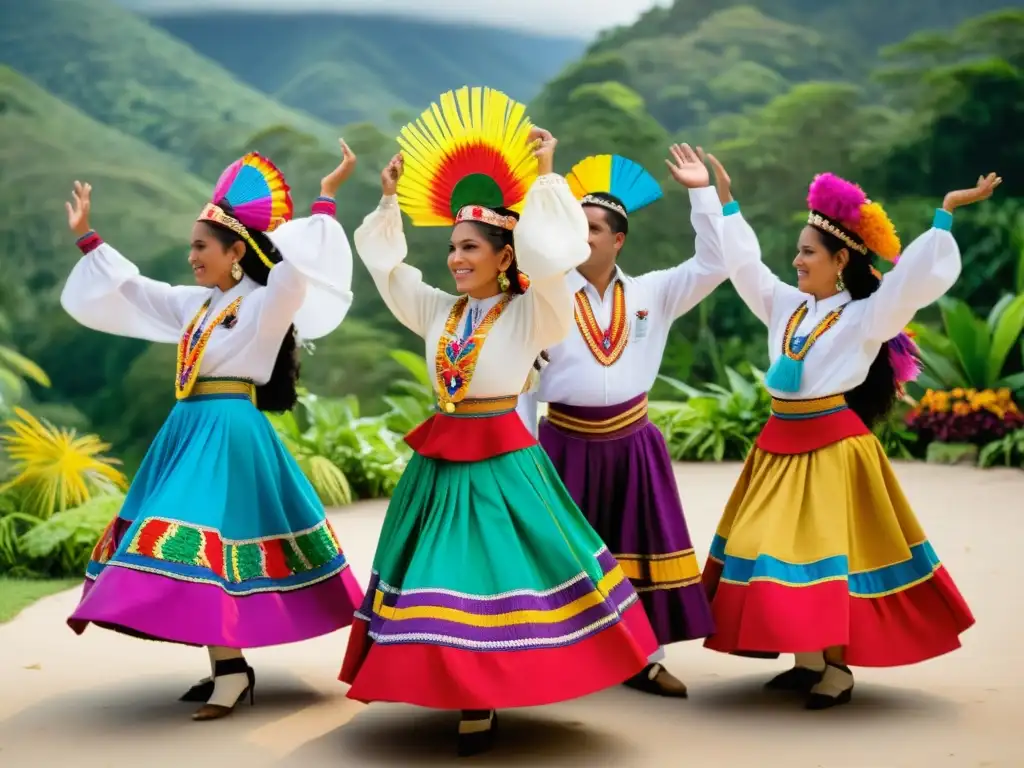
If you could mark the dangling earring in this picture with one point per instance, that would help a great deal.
(236, 271)
(840, 285)
(503, 283)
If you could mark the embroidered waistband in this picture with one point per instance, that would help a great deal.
(808, 409)
(559, 418)
(479, 406)
(232, 388)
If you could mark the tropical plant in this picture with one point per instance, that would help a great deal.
(55, 468)
(15, 369)
(61, 545)
(714, 424)
(897, 438)
(1007, 450)
(972, 353)
(965, 416)
(412, 401)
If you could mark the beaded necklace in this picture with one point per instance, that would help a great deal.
(608, 345)
(786, 372)
(193, 346)
(456, 357)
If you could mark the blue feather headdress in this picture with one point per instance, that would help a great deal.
(616, 176)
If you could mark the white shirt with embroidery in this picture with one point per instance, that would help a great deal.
(310, 286)
(841, 357)
(550, 240)
(653, 301)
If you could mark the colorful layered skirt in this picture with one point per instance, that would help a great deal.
(616, 467)
(818, 547)
(489, 589)
(221, 539)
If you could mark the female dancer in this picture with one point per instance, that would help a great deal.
(221, 540)
(489, 589)
(818, 552)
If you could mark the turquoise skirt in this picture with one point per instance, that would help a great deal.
(221, 539)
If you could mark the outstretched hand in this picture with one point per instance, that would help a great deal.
(723, 184)
(78, 212)
(329, 184)
(543, 144)
(391, 174)
(982, 191)
(687, 168)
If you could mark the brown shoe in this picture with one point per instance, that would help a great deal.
(229, 667)
(657, 680)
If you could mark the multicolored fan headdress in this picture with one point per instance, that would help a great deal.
(841, 208)
(616, 176)
(259, 196)
(466, 157)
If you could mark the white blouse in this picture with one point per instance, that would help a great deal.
(311, 288)
(841, 357)
(550, 240)
(575, 377)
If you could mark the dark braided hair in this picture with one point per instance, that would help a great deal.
(873, 398)
(279, 393)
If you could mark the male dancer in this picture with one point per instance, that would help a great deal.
(613, 461)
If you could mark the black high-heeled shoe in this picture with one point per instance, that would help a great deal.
(199, 693)
(237, 666)
(477, 734)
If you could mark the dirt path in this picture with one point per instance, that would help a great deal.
(106, 700)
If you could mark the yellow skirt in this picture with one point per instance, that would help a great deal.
(821, 548)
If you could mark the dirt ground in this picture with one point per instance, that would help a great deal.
(106, 700)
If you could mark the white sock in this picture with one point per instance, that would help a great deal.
(814, 661)
(226, 688)
(834, 682)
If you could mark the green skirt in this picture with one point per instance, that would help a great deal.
(490, 590)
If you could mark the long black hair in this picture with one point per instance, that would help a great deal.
(872, 399)
(499, 237)
(279, 393)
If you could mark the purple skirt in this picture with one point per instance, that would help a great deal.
(616, 466)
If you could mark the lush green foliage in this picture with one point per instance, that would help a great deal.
(348, 69)
(97, 93)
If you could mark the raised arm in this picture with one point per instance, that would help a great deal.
(312, 284)
(680, 288)
(925, 271)
(551, 240)
(105, 291)
(755, 283)
(380, 243)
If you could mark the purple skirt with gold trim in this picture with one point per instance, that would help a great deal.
(616, 466)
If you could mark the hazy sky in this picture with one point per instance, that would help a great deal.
(567, 17)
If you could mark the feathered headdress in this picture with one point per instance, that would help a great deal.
(259, 197)
(842, 209)
(616, 176)
(466, 157)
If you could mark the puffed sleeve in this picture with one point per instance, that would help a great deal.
(312, 285)
(755, 283)
(679, 289)
(380, 243)
(926, 270)
(551, 240)
(105, 292)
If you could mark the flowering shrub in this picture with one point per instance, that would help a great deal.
(965, 415)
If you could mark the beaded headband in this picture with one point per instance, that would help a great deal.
(485, 216)
(604, 203)
(216, 214)
(820, 222)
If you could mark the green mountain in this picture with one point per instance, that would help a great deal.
(122, 71)
(354, 68)
(697, 60)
